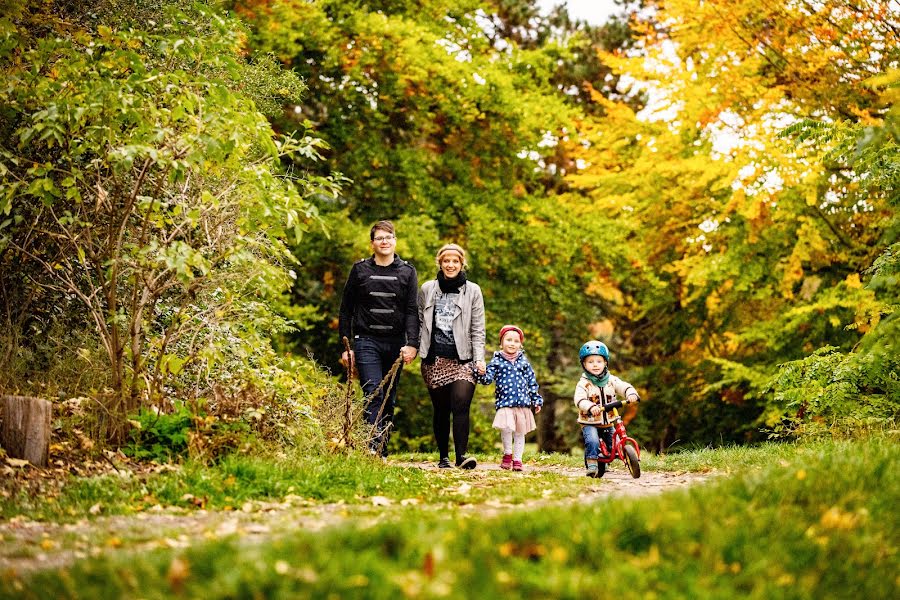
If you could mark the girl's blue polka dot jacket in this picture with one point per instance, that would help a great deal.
(516, 384)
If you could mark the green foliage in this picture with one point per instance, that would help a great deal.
(145, 198)
(831, 392)
(160, 436)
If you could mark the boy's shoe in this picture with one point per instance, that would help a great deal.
(466, 462)
(444, 463)
(592, 467)
(517, 465)
(506, 463)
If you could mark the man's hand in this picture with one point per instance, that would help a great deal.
(408, 353)
(348, 359)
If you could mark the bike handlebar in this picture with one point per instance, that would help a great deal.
(616, 404)
(612, 405)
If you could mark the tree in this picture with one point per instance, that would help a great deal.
(142, 199)
(760, 242)
(451, 119)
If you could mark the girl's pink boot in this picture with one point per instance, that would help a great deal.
(507, 462)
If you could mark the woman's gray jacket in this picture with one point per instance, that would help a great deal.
(468, 325)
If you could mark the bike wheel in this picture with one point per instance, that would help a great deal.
(632, 461)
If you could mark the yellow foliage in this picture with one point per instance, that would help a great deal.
(793, 273)
(853, 281)
(835, 518)
(601, 329)
(602, 287)
(712, 303)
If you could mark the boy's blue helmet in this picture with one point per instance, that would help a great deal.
(593, 348)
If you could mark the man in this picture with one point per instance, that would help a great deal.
(380, 317)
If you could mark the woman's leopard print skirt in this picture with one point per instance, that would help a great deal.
(447, 370)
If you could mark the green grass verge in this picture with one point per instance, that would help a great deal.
(351, 479)
(225, 485)
(822, 525)
(238, 479)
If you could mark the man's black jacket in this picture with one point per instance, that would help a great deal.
(380, 302)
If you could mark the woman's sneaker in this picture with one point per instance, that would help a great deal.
(444, 463)
(517, 465)
(506, 463)
(466, 462)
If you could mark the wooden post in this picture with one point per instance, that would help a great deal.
(26, 428)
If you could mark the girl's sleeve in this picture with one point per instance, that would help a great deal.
(533, 386)
(489, 373)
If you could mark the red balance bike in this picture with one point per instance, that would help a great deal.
(623, 447)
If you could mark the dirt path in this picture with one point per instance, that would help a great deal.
(617, 481)
(34, 545)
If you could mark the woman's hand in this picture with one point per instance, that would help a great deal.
(596, 410)
(480, 367)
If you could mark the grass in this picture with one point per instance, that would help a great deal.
(353, 480)
(818, 522)
(239, 479)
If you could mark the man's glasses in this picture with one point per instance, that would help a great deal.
(383, 238)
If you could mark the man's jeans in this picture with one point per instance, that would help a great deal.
(591, 435)
(374, 358)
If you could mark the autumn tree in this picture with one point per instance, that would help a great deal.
(761, 238)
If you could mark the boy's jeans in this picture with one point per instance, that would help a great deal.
(374, 358)
(591, 435)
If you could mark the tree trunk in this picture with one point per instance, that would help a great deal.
(26, 428)
(550, 438)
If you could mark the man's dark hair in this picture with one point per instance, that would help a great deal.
(382, 225)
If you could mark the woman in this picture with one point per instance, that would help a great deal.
(451, 322)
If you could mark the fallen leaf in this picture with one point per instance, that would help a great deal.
(95, 509)
(178, 572)
(16, 462)
(381, 501)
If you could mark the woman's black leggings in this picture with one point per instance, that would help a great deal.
(454, 398)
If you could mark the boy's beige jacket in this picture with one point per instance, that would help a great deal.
(587, 394)
(468, 325)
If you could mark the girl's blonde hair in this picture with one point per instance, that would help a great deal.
(446, 248)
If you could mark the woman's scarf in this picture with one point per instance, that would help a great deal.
(451, 285)
(599, 380)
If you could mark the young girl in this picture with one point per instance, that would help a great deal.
(515, 395)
